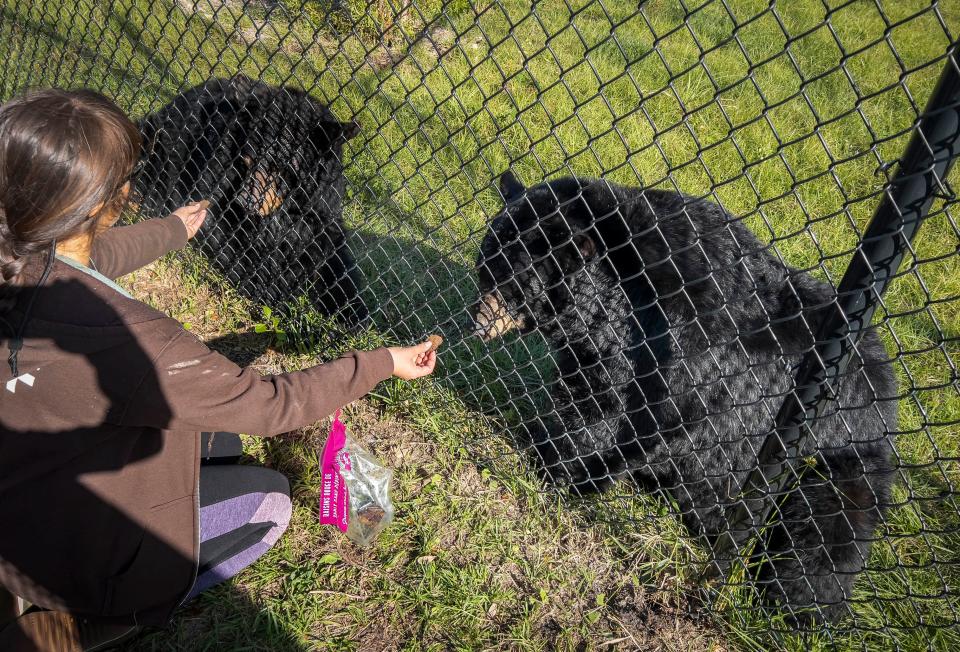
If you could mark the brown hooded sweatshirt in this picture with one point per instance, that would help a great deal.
(99, 437)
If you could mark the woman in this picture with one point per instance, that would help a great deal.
(117, 510)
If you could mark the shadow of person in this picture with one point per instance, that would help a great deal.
(224, 618)
(242, 348)
(75, 478)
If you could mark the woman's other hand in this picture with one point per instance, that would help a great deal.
(411, 362)
(192, 216)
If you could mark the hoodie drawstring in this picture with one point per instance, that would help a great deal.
(16, 343)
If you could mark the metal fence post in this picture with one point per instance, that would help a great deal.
(920, 178)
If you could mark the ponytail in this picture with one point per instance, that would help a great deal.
(64, 158)
(13, 258)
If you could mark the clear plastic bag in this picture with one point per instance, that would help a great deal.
(355, 491)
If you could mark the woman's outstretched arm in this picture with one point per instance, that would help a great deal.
(120, 250)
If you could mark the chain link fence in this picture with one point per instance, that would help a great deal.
(542, 184)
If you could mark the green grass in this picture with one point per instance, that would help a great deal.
(478, 556)
(764, 124)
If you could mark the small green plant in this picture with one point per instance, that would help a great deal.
(271, 324)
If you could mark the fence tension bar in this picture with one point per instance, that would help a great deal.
(920, 178)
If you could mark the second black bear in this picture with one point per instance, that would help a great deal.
(677, 335)
(269, 161)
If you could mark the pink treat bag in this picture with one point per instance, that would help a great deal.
(355, 490)
(334, 496)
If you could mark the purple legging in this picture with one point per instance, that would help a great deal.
(243, 511)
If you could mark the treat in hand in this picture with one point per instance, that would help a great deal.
(435, 342)
(415, 361)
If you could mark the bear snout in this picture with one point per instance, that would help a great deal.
(492, 319)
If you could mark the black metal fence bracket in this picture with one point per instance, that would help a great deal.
(919, 179)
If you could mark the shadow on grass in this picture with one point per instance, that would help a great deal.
(224, 618)
(417, 290)
(412, 290)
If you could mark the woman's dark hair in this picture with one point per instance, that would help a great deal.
(64, 159)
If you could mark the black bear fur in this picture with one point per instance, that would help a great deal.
(269, 161)
(677, 335)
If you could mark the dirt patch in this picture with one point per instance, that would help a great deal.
(247, 22)
(219, 318)
(441, 40)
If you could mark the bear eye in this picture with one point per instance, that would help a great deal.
(506, 237)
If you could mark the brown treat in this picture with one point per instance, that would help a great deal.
(203, 204)
(435, 342)
(370, 515)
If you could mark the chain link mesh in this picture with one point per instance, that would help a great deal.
(353, 154)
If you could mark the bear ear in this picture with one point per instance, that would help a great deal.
(351, 129)
(586, 245)
(329, 132)
(574, 254)
(510, 187)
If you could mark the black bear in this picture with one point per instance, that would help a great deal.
(677, 335)
(269, 161)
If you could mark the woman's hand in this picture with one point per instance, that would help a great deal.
(411, 362)
(192, 216)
